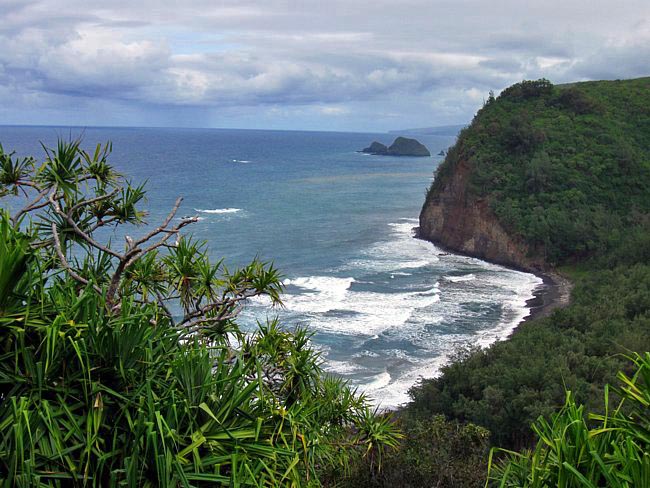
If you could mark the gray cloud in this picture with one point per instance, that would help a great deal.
(376, 65)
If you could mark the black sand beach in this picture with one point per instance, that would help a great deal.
(554, 293)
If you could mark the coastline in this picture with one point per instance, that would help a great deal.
(553, 294)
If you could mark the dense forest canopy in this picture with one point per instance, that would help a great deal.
(564, 167)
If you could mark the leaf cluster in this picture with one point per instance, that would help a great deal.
(126, 366)
(579, 450)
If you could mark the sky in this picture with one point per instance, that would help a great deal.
(344, 65)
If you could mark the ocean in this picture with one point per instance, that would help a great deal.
(386, 309)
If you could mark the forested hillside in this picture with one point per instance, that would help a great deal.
(565, 167)
(564, 173)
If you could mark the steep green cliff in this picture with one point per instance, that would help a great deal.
(546, 175)
(552, 178)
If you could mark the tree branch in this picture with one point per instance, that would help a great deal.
(162, 227)
(226, 304)
(66, 265)
(34, 205)
(83, 203)
(163, 305)
(79, 232)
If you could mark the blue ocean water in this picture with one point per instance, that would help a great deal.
(385, 308)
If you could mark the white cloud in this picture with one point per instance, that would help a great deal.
(98, 62)
(334, 110)
(432, 61)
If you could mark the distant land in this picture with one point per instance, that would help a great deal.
(443, 130)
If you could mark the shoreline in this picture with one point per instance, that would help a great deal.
(553, 294)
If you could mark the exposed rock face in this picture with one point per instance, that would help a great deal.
(457, 221)
(404, 146)
(376, 148)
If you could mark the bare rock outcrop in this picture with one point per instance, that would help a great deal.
(454, 219)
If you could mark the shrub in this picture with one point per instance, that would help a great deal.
(612, 450)
(435, 452)
(127, 367)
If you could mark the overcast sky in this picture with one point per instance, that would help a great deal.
(326, 64)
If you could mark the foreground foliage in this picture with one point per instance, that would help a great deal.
(610, 449)
(127, 367)
(435, 452)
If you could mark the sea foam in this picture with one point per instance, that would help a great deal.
(404, 312)
(362, 313)
(226, 210)
(461, 278)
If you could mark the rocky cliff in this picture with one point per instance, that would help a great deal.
(546, 175)
(457, 221)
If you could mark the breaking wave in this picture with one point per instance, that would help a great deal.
(394, 312)
(226, 210)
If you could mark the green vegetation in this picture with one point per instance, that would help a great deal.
(435, 453)
(124, 365)
(612, 452)
(506, 387)
(567, 170)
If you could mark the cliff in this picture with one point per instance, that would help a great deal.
(462, 223)
(546, 175)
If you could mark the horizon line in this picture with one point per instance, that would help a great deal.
(82, 126)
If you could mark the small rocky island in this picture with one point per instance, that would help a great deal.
(402, 146)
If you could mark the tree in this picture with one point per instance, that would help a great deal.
(126, 366)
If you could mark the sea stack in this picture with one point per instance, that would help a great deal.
(376, 148)
(402, 146)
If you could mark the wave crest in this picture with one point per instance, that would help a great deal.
(227, 210)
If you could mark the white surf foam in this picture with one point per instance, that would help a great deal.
(401, 251)
(492, 284)
(341, 367)
(460, 278)
(380, 381)
(511, 288)
(323, 293)
(226, 210)
(424, 316)
(521, 287)
(362, 313)
(395, 393)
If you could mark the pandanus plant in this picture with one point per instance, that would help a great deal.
(116, 365)
(576, 449)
